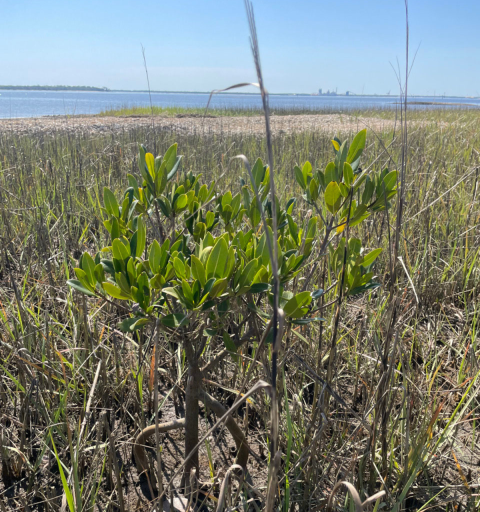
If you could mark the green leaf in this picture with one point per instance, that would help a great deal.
(360, 215)
(150, 163)
(306, 171)
(354, 246)
(224, 307)
(110, 202)
(199, 231)
(294, 307)
(368, 191)
(357, 146)
(160, 179)
(88, 266)
(344, 190)
(217, 260)
(369, 258)
(340, 159)
(141, 156)
(115, 229)
(164, 206)
(259, 288)
(114, 291)
(133, 243)
(330, 173)
(175, 168)
(170, 157)
(120, 250)
(247, 274)
(260, 276)
(293, 228)
(173, 292)
(390, 180)
(218, 288)
(181, 202)
(146, 174)
(154, 256)
(300, 178)
(99, 273)
(333, 197)
(230, 345)
(123, 282)
(79, 287)
(363, 288)
(157, 282)
(258, 172)
(179, 267)
(202, 193)
(143, 284)
(198, 270)
(226, 199)
(209, 219)
(312, 227)
(132, 182)
(347, 173)
(313, 187)
(108, 266)
(133, 324)
(209, 304)
(231, 261)
(66, 488)
(174, 320)
(187, 291)
(171, 162)
(141, 236)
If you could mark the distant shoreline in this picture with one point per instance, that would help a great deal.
(54, 88)
(79, 88)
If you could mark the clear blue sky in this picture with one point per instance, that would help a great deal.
(199, 45)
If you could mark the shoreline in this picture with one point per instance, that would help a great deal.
(194, 124)
(75, 88)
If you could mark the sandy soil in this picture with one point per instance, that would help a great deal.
(333, 123)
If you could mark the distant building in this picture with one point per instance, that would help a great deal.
(328, 93)
(347, 93)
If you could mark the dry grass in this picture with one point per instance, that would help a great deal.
(193, 123)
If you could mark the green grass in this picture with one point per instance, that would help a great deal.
(182, 111)
(52, 342)
(423, 113)
(231, 111)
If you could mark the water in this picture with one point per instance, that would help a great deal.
(47, 103)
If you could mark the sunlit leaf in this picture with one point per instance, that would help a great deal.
(369, 258)
(294, 306)
(110, 201)
(174, 320)
(357, 146)
(333, 197)
(217, 260)
(79, 287)
(115, 291)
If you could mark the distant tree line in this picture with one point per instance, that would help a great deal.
(52, 88)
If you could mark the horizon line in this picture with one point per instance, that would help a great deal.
(88, 88)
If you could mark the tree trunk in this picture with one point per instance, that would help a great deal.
(191, 421)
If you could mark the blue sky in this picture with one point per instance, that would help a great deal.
(199, 45)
